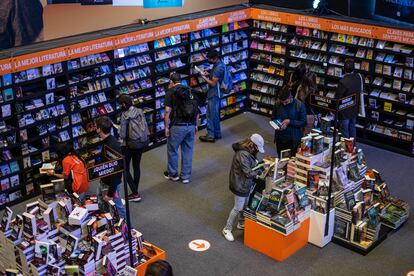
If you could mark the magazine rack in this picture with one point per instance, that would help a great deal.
(272, 243)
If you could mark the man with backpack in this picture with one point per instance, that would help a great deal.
(214, 93)
(180, 121)
(291, 113)
(134, 134)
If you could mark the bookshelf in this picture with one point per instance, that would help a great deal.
(386, 68)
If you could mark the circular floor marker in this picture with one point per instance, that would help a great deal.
(199, 245)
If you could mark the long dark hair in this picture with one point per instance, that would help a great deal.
(307, 86)
(65, 149)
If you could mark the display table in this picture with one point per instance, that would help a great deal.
(272, 243)
(161, 255)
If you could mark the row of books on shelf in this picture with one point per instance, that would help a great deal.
(135, 86)
(132, 75)
(268, 47)
(167, 41)
(232, 37)
(309, 44)
(205, 44)
(313, 56)
(398, 72)
(96, 72)
(267, 36)
(263, 99)
(234, 26)
(400, 97)
(233, 109)
(394, 84)
(234, 47)
(130, 63)
(267, 79)
(169, 53)
(395, 123)
(353, 40)
(390, 131)
(236, 57)
(263, 88)
(272, 26)
(203, 33)
(265, 57)
(131, 50)
(170, 65)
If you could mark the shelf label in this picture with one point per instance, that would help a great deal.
(6, 66)
(172, 29)
(39, 59)
(237, 16)
(350, 28)
(271, 16)
(323, 102)
(307, 21)
(347, 102)
(133, 38)
(388, 106)
(395, 35)
(90, 48)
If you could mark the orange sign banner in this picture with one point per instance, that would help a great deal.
(134, 38)
(307, 21)
(395, 35)
(6, 66)
(39, 59)
(350, 28)
(90, 47)
(266, 15)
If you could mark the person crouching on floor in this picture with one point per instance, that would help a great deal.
(241, 179)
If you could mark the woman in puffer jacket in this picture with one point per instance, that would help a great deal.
(241, 178)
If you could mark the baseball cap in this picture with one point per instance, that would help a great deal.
(258, 140)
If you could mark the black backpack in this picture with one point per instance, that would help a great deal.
(187, 104)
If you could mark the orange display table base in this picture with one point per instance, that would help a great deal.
(161, 255)
(272, 243)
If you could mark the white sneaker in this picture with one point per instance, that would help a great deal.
(228, 235)
(240, 226)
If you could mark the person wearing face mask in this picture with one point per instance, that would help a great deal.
(134, 136)
(241, 179)
(213, 96)
(292, 115)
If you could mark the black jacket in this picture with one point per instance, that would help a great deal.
(241, 174)
(350, 84)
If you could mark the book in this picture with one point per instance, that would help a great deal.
(276, 124)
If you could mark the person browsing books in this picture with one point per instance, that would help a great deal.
(213, 96)
(109, 187)
(74, 170)
(291, 113)
(180, 121)
(351, 83)
(307, 87)
(134, 134)
(296, 77)
(241, 179)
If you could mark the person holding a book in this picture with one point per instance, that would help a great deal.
(109, 187)
(351, 83)
(241, 180)
(74, 170)
(180, 122)
(291, 113)
(213, 96)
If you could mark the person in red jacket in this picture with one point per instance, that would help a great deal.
(74, 170)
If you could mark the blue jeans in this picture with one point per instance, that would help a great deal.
(347, 128)
(117, 200)
(181, 136)
(213, 117)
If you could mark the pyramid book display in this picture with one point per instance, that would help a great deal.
(62, 236)
(364, 207)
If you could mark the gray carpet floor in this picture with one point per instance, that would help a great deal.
(173, 214)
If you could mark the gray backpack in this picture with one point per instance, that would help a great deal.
(137, 132)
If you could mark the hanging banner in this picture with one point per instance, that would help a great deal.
(271, 16)
(151, 4)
